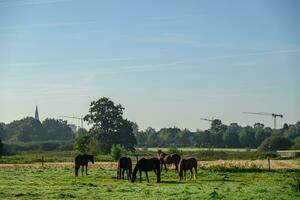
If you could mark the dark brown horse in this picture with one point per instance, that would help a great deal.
(187, 164)
(145, 165)
(168, 159)
(82, 160)
(124, 164)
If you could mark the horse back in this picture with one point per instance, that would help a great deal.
(148, 164)
(194, 162)
(176, 158)
(125, 163)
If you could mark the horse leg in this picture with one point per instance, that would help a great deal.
(166, 167)
(195, 175)
(147, 176)
(76, 170)
(123, 171)
(130, 172)
(140, 176)
(86, 167)
(127, 173)
(191, 170)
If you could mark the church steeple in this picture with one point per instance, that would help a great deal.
(36, 113)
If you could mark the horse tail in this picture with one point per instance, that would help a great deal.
(129, 168)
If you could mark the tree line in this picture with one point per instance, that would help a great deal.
(109, 129)
(30, 129)
(220, 136)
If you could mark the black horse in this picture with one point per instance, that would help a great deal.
(187, 164)
(124, 164)
(146, 165)
(82, 160)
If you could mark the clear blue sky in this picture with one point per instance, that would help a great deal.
(169, 63)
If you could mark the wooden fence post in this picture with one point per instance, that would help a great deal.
(42, 161)
(269, 163)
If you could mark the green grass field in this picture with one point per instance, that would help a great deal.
(56, 183)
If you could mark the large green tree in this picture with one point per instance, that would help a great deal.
(109, 126)
(247, 137)
(25, 130)
(152, 137)
(261, 133)
(293, 131)
(275, 143)
(2, 131)
(57, 130)
(231, 137)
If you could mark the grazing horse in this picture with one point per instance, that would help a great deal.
(82, 160)
(187, 164)
(168, 159)
(124, 164)
(146, 165)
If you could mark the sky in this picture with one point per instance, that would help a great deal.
(169, 63)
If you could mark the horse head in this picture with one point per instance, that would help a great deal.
(91, 158)
(159, 152)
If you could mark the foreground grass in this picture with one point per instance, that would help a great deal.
(51, 183)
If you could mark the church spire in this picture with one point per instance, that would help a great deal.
(36, 113)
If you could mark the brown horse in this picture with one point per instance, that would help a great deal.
(168, 159)
(82, 160)
(187, 164)
(124, 164)
(146, 165)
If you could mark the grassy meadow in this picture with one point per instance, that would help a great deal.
(218, 181)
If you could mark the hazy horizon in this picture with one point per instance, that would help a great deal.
(168, 63)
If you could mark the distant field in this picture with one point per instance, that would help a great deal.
(68, 156)
(56, 181)
(154, 149)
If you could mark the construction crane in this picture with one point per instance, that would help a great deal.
(274, 115)
(204, 119)
(78, 118)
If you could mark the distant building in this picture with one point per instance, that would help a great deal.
(289, 153)
(36, 116)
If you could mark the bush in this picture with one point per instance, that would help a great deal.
(66, 146)
(116, 151)
(50, 146)
(82, 144)
(15, 147)
(1, 148)
(275, 143)
(296, 145)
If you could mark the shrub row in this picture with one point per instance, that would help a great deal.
(38, 146)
